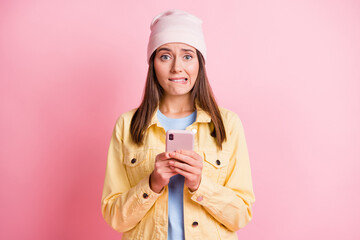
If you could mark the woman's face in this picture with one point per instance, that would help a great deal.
(176, 68)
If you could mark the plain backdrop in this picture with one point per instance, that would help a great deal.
(289, 69)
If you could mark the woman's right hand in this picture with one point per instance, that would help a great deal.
(162, 173)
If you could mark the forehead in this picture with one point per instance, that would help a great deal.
(176, 47)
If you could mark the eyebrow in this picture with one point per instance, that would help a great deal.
(169, 50)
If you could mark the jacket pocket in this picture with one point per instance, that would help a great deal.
(137, 166)
(216, 165)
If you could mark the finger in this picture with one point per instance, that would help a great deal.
(190, 153)
(160, 165)
(187, 175)
(184, 158)
(162, 156)
(184, 167)
(165, 169)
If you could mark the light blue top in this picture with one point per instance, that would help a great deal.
(176, 184)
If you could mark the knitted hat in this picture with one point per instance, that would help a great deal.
(176, 26)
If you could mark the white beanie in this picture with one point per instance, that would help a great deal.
(176, 26)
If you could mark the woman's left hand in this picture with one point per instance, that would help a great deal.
(188, 164)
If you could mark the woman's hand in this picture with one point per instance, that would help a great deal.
(189, 164)
(162, 173)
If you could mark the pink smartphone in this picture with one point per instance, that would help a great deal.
(179, 140)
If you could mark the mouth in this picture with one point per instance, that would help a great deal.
(178, 80)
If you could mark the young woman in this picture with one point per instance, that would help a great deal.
(202, 194)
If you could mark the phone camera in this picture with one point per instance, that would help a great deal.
(171, 136)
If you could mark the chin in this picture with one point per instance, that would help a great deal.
(180, 93)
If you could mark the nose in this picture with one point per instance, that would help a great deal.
(177, 65)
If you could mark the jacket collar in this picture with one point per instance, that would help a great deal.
(201, 116)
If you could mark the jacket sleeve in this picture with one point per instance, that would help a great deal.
(230, 204)
(123, 206)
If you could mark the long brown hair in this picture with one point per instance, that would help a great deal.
(201, 93)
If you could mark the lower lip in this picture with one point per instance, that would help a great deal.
(179, 81)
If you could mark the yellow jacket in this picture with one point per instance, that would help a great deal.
(221, 205)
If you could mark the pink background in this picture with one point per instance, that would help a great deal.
(290, 69)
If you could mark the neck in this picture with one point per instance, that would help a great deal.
(176, 106)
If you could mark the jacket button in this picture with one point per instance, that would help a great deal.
(195, 224)
(199, 198)
(133, 160)
(218, 162)
(145, 195)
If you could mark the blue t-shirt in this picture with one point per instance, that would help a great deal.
(176, 184)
